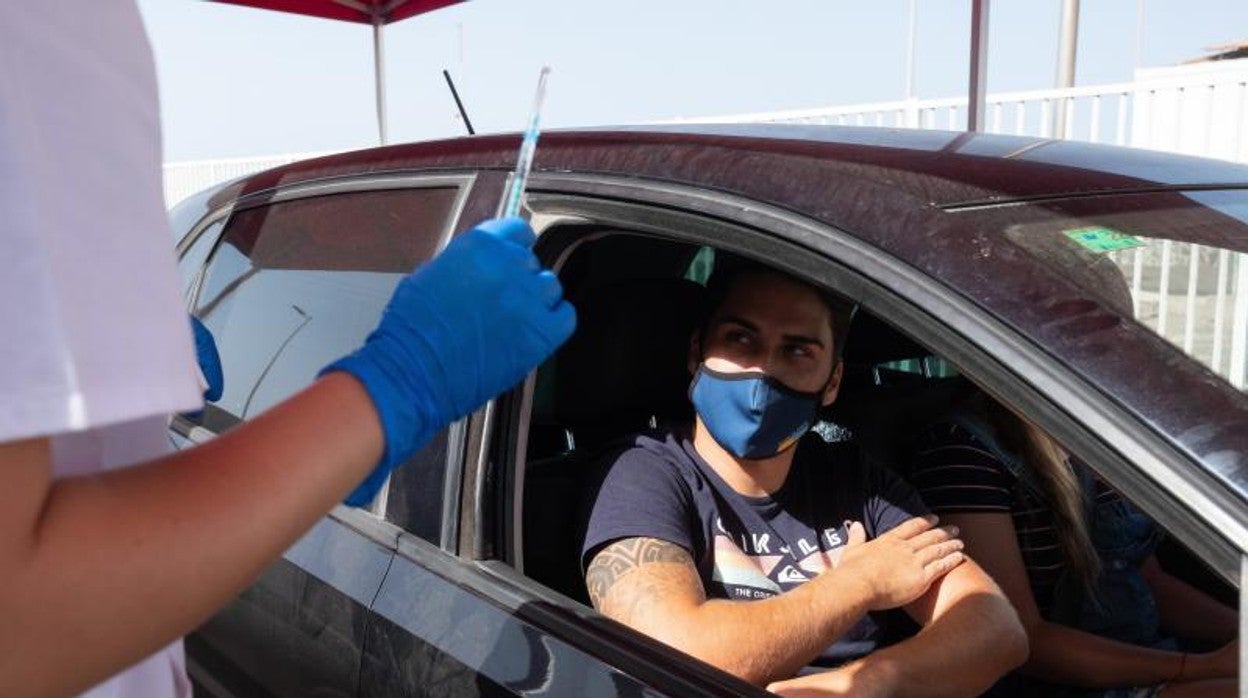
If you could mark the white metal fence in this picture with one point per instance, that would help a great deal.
(1195, 296)
(1198, 110)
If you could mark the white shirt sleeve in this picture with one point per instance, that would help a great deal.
(91, 328)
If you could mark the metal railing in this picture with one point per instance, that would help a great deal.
(1206, 115)
(1196, 297)
(1015, 113)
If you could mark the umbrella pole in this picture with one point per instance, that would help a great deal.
(976, 101)
(379, 71)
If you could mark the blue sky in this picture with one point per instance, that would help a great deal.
(240, 82)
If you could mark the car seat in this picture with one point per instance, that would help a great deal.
(882, 408)
(622, 372)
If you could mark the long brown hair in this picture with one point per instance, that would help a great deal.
(1057, 483)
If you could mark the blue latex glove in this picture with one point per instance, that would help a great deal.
(209, 360)
(461, 329)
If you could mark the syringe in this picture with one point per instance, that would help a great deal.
(524, 161)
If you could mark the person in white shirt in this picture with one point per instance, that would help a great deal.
(111, 547)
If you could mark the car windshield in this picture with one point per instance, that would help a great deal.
(1176, 261)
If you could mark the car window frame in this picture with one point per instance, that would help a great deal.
(1162, 479)
(370, 521)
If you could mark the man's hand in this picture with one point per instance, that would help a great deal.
(856, 679)
(899, 566)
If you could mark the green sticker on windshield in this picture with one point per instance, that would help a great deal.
(1100, 239)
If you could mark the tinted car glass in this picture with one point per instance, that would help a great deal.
(295, 285)
(192, 261)
(1175, 261)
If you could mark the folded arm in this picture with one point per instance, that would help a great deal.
(653, 586)
(970, 638)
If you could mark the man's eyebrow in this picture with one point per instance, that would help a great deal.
(736, 320)
(797, 338)
(803, 339)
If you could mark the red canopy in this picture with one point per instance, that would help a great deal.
(373, 12)
(362, 11)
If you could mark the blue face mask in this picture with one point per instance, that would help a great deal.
(751, 414)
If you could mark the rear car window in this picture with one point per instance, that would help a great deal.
(1175, 261)
(294, 285)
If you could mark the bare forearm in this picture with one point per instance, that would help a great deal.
(1190, 613)
(973, 643)
(784, 632)
(126, 561)
(1072, 657)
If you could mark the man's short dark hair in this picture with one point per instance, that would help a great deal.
(729, 268)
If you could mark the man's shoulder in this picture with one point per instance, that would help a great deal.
(649, 446)
(660, 453)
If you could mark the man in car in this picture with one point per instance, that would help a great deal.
(765, 553)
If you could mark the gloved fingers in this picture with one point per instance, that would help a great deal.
(515, 230)
(481, 251)
(562, 323)
(532, 295)
(549, 290)
(209, 360)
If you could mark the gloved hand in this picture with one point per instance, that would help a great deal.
(209, 360)
(461, 329)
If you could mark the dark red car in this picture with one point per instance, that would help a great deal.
(961, 250)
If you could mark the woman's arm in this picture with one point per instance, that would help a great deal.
(1060, 653)
(1188, 612)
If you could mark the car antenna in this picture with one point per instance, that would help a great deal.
(455, 93)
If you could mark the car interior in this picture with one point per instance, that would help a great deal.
(638, 299)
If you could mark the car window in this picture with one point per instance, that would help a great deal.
(297, 284)
(1176, 261)
(893, 387)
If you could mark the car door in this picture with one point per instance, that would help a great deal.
(573, 210)
(287, 281)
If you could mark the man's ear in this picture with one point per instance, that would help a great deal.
(695, 351)
(834, 384)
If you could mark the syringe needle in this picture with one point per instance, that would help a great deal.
(524, 161)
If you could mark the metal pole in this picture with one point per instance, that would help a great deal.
(1067, 42)
(379, 72)
(976, 99)
(910, 66)
(1238, 372)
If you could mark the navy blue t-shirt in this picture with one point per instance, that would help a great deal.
(748, 548)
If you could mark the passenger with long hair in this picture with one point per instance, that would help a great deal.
(1076, 560)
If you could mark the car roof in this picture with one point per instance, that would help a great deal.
(944, 169)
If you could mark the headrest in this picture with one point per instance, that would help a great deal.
(626, 361)
(872, 341)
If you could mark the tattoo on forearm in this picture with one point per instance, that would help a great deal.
(618, 559)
